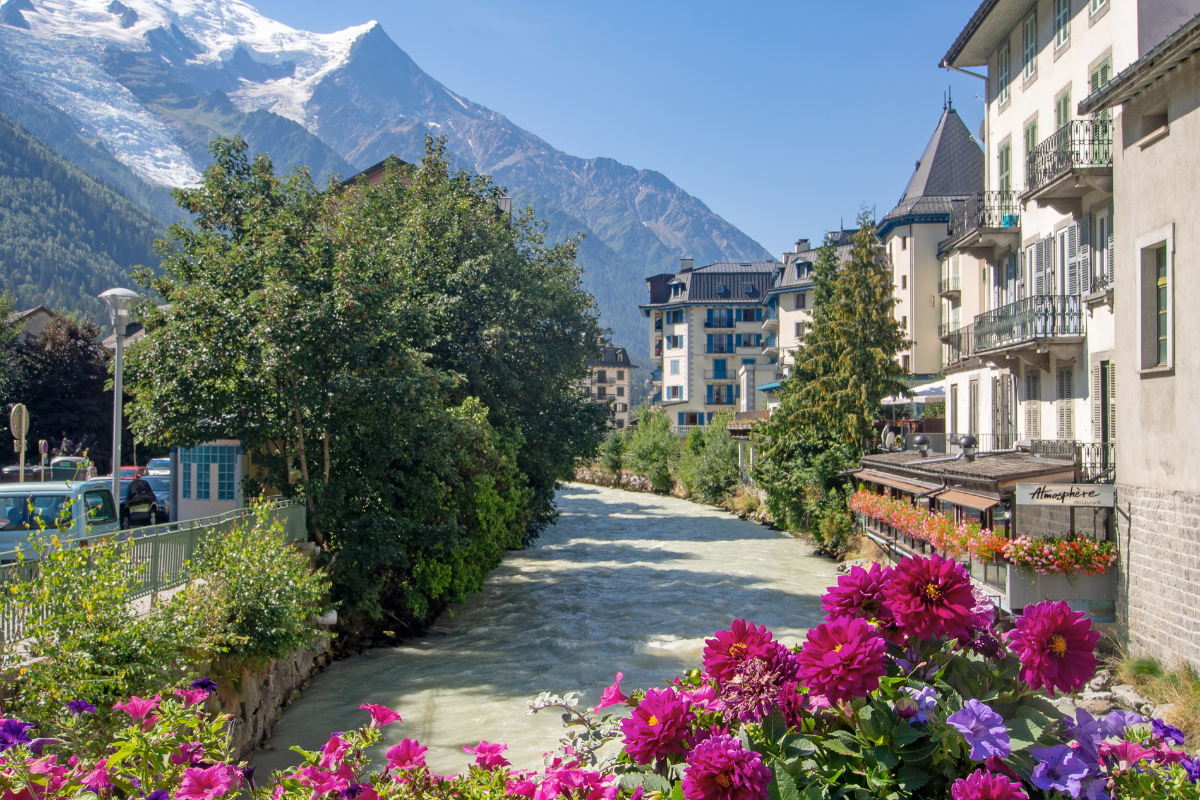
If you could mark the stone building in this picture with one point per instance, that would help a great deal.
(1156, 156)
(609, 381)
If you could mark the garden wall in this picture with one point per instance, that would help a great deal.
(257, 697)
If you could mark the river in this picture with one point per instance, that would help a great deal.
(624, 581)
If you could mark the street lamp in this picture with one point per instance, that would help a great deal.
(120, 303)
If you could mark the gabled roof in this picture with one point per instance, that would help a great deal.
(613, 357)
(950, 170)
(722, 282)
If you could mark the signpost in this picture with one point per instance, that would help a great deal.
(18, 423)
(44, 449)
(1088, 495)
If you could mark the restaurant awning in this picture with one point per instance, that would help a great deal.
(967, 500)
(894, 482)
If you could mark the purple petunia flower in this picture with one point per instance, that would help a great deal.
(1192, 768)
(204, 684)
(13, 732)
(248, 776)
(79, 707)
(1058, 769)
(1117, 721)
(351, 792)
(983, 729)
(159, 794)
(1166, 732)
(926, 699)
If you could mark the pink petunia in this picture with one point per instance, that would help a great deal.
(206, 784)
(192, 697)
(409, 753)
(138, 707)
(380, 715)
(333, 752)
(97, 779)
(488, 755)
(612, 695)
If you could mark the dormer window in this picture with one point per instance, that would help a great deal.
(720, 288)
(749, 288)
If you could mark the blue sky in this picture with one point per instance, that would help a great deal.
(783, 117)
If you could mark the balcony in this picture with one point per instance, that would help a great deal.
(722, 401)
(770, 324)
(724, 324)
(949, 287)
(606, 380)
(656, 376)
(722, 375)
(657, 353)
(658, 324)
(984, 223)
(1096, 461)
(1033, 320)
(960, 345)
(1075, 160)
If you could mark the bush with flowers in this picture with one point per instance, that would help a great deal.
(905, 692)
(1045, 556)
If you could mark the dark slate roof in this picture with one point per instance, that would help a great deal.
(790, 276)
(612, 357)
(700, 285)
(733, 266)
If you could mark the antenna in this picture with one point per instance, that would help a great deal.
(943, 101)
(949, 98)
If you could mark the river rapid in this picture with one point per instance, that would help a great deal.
(624, 582)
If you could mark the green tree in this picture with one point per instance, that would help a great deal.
(10, 332)
(654, 449)
(708, 467)
(612, 452)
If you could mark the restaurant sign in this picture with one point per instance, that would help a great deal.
(1066, 494)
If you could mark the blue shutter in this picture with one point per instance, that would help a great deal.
(709, 400)
(737, 390)
(708, 348)
(729, 342)
(728, 394)
(758, 315)
(680, 417)
(710, 416)
(758, 340)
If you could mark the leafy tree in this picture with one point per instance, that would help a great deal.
(10, 333)
(654, 449)
(708, 467)
(612, 452)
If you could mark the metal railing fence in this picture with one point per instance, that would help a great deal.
(1096, 461)
(1080, 144)
(1037, 317)
(985, 210)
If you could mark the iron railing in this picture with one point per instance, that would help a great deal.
(947, 443)
(948, 284)
(1080, 144)
(726, 323)
(1100, 282)
(985, 210)
(1096, 461)
(154, 559)
(1029, 319)
(607, 379)
(960, 344)
(723, 375)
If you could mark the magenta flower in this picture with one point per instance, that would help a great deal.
(843, 658)
(980, 785)
(728, 649)
(612, 695)
(657, 726)
(409, 753)
(334, 751)
(722, 769)
(206, 784)
(1056, 647)
(983, 729)
(97, 779)
(755, 689)
(190, 753)
(1124, 755)
(380, 715)
(488, 755)
(192, 697)
(319, 781)
(138, 707)
(931, 597)
(578, 784)
(859, 594)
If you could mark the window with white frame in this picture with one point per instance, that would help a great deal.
(1157, 307)
(1097, 6)
(1062, 22)
(1033, 382)
(1003, 65)
(1029, 40)
(675, 366)
(674, 392)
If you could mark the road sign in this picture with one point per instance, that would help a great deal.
(43, 446)
(1066, 494)
(18, 421)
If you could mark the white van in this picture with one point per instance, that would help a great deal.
(70, 510)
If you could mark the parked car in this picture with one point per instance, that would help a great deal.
(70, 468)
(132, 472)
(158, 466)
(161, 484)
(139, 504)
(73, 511)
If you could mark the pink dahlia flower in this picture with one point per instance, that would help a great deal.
(721, 769)
(612, 695)
(409, 753)
(1056, 646)
(380, 715)
(488, 755)
(727, 649)
(980, 785)
(657, 726)
(931, 597)
(138, 707)
(206, 784)
(859, 594)
(843, 658)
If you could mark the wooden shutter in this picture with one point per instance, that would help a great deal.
(1072, 260)
(1021, 277)
(1112, 400)
(1039, 268)
(1032, 428)
(1097, 395)
(1066, 429)
(1085, 254)
(1111, 248)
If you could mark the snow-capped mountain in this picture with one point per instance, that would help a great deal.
(151, 82)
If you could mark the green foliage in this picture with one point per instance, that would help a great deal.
(64, 235)
(654, 449)
(9, 333)
(612, 452)
(708, 467)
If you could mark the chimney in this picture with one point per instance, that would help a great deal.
(802, 245)
(686, 264)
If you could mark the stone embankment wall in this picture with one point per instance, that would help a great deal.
(257, 697)
(626, 480)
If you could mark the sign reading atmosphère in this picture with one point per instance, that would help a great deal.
(1066, 494)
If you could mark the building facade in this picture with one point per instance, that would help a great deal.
(1155, 105)
(609, 381)
(708, 346)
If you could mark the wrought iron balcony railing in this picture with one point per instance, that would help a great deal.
(725, 323)
(948, 284)
(1100, 282)
(720, 375)
(960, 345)
(985, 210)
(1080, 144)
(1029, 319)
(1096, 461)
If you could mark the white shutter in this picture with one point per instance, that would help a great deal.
(1021, 277)
(1066, 430)
(1111, 249)
(1112, 400)
(1032, 428)
(1040, 257)
(1097, 393)
(1085, 254)
(1072, 260)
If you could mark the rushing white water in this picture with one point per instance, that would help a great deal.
(624, 581)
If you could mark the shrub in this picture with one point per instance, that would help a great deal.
(708, 467)
(654, 449)
(612, 451)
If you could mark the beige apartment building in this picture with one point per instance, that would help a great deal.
(1036, 363)
(707, 340)
(1156, 159)
(609, 380)
(949, 171)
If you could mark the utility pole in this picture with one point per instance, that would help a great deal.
(18, 423)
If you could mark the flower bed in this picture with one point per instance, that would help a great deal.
(904, 692)
(1044, 556)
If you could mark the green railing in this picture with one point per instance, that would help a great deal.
(154, 557)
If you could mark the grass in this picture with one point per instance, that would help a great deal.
(743, 501)
(1178, 687)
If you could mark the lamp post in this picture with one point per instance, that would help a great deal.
(120, 303)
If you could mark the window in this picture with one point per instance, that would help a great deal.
(719, 368)
(1098, 6)
(1062, 109)
(675, 366)
(676, 316)
(620, 391)
(225, 457)
(750, 314)
(187, 480)
(99, 506)
(602, 376)
(203, 480)
(801, 301)
(1003, 57)
(973, 407)
(674, 392)
(1006, 167)
(1029, 39)
(749, 340)
(1062, 22)
(1066, 427)
(1031, 140)
(799, 331)
(1161, 303)
(601, 392)
(904, 323)
(903, 242)
(720, 288)
(904, 364)
(674, 342)
(903, 281)
(676, 289)
(620, 374)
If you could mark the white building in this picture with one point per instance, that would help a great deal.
(609, 380)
